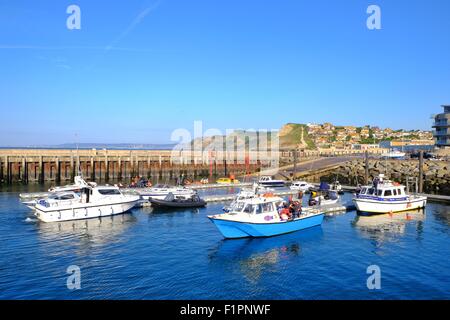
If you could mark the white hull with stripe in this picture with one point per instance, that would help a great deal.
(375, 206)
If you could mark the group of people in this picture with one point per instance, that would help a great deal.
(290, 210)
(140, 182)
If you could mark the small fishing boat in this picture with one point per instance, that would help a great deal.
(161, 191)
(178, 202)
(385, 196)
(336, 187)
(91, 202)
(394, 154)
(245, 193)
(268, 181)
(302, 186)
(259, 217)
(326, 199)
(324, 196)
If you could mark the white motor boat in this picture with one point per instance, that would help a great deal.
(244, 194)
(324, 200)
(31, 199)
(336, 187)
(268, 181)
(385, 196)
(91, 202)
(394, 154)
(302, 186)
(79, 183)
(160, 192)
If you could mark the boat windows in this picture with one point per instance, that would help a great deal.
(379, 192)
(67, 197)
(400, 192)
(108, 192)
(238, 206)
(370, 191)
(249, 208)
(388, 193)
(264, 208)
(364, 190)
(395, 192)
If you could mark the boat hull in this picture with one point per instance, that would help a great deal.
(174, 205)
(235, 229)
(272, 184)
(83, 212)
(373, 206)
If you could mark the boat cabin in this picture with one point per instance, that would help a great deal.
(384, 190)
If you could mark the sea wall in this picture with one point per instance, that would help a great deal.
(436, 174)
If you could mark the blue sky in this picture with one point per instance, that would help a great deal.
(139, 69)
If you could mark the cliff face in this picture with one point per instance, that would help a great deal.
(291, 136)
(294, 135)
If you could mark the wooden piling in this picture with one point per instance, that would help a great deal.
(421, 172)
(58, 170)
(366, 167)
(92, 169)
(106, 166)
(72, 169)
(24, 171)
(119, 174)
(41, 169)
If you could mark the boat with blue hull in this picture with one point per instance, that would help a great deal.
(259, 217)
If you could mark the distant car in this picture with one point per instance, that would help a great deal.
(226, 181)
(301, 186)
(426, 155)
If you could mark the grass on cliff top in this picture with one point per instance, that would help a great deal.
(294, 137)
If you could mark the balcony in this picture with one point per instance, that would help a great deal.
(443, 124)
(444, 133)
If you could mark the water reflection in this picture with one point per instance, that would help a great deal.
(97, 231)
(388, 227)
(254, 257)
(442, 213)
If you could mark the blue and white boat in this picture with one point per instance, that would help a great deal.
(259, 217)
(385, 196)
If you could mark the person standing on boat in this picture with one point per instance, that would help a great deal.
(375, 184)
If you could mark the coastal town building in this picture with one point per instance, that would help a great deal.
(442, 128)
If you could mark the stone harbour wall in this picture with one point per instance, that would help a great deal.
(436, 174)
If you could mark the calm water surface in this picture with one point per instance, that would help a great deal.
(181, 255)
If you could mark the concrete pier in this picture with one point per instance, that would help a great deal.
(60, 165)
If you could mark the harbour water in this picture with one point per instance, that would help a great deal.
(181, 255)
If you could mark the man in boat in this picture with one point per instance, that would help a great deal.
(296, 209)
(312, 201)
(375, 184)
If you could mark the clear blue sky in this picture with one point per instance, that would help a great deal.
(139, 69)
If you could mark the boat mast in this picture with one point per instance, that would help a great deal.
(79, 173)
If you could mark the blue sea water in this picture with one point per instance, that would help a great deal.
(181, 255)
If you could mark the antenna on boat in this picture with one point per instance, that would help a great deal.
(79, 173)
